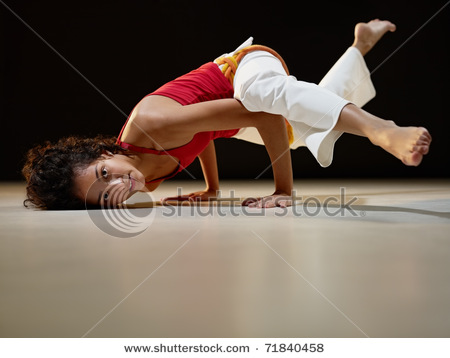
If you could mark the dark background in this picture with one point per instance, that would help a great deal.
(129, 48)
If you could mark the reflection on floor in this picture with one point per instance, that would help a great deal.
(350, 259)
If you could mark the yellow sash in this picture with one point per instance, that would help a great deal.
(231, 63)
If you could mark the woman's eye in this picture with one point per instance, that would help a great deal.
(105, 196)
(104, 173)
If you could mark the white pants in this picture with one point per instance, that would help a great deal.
(262, 85)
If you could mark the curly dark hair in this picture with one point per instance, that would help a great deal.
(50, 170)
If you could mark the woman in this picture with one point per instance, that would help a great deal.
(170, 127)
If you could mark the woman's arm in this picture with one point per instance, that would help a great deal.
(274, 135)
(273, 132)
(275, 138)
(208, 162)
(173, 125)
(224, 115)
(180, 122)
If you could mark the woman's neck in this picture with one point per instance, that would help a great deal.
(154, 166)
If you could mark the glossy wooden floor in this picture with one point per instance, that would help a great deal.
(378, 266)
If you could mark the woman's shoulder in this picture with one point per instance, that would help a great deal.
(150, 123)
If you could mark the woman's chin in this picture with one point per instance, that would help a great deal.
(137, 184)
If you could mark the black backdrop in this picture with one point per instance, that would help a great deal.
(129, 48)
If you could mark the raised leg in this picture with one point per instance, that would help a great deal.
(409, 144)
(349, 77)
(368, 34)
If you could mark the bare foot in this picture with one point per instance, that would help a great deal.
(368, 34)
(409, 144)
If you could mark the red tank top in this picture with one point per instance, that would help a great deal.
(206, 83)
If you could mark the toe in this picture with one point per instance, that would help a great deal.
(416, 158)
(413, 159)
(424, 133)
(423, 149)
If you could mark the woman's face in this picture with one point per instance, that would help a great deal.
(109, 181)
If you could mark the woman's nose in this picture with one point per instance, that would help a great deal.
(115, 181)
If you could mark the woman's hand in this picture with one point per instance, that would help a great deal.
(203, 195)
(277, 199)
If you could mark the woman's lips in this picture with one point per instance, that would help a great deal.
(132, 182)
